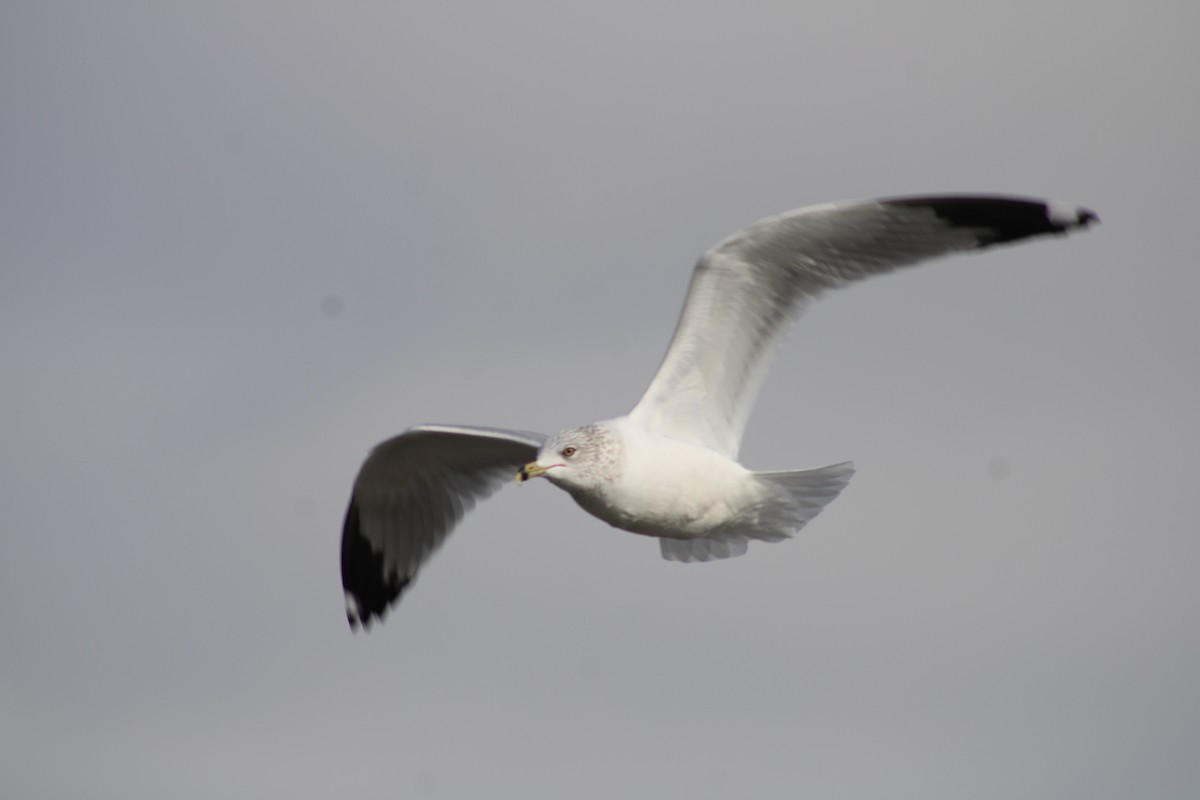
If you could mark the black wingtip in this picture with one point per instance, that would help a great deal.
(370, 587)
(997, 220)
(1085, 218)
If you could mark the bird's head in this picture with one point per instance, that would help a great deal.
(577, 458)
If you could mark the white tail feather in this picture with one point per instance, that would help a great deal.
(805, 492)
(795, 498)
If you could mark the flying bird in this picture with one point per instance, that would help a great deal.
(669, 468)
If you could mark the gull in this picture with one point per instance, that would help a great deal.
(669, 467)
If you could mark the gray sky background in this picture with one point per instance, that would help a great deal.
(243, 242)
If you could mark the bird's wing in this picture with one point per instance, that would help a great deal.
(410, 493)
(747, 288)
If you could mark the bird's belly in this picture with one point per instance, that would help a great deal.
(648, 522)
(679, 514)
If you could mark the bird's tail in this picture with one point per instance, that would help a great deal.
(801, 494)
(792, 499)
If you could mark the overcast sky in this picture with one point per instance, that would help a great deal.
(243, 242)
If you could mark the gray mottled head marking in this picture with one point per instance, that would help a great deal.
(584, 457)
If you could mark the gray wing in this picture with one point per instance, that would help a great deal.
(747, 288)
(410, 493)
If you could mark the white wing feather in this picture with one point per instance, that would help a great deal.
(746, 289)
(410, 493)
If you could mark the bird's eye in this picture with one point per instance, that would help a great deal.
(568, 452)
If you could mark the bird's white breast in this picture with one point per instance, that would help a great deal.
(669, 488)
